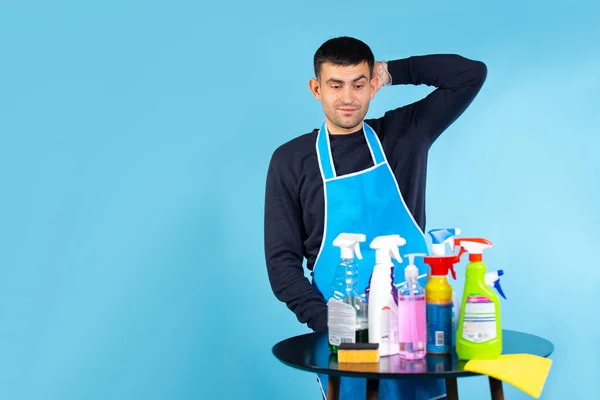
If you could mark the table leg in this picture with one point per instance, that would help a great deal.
(333, 388)
(451, 389)
(372, 389)
(496, 389)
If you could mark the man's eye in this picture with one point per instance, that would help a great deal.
(335, 86)
(359, 86)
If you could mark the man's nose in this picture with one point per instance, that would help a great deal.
(347, 95)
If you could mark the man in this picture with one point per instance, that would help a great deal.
(358, 176)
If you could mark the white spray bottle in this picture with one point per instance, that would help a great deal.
(382, 295)
(346, 310)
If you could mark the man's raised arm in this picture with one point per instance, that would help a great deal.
(457, 81)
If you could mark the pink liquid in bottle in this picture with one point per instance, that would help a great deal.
(412, 323)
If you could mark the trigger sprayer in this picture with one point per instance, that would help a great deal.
(387, 247)
(492, 279)
(349, 244)
(439, 238)
(474, 246)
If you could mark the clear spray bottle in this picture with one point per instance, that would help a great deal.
(347, 310)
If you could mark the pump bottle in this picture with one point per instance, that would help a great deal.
(412, 334)
(382, 295)
(479, 334)
(346, 310)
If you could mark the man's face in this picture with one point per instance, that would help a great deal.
(345, 93)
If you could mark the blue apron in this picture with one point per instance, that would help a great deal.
(367, 202)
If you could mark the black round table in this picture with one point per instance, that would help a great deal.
(310, 352)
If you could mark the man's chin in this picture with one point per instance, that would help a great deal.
(345, 124)
(353, 125)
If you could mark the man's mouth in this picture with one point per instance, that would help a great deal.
(347, 110)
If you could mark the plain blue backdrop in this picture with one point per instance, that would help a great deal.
(134, 142)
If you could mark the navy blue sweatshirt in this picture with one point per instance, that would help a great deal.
(294, 202)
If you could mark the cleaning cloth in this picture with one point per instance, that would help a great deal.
(526, 372)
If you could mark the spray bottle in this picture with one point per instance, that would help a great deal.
(382, 295)
(346, 310)
(479, 334)
(412, 329)
(438, 296)
(439, 239)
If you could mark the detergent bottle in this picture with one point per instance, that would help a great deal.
(412, 329)
(438, 296)
(479, 334)
(439, 239)
(382, 295)
(346, 310)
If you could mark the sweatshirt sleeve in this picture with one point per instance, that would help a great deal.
(457, 81)
(283, 234)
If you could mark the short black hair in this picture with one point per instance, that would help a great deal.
(345, 51)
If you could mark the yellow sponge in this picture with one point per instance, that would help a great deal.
(358, 353)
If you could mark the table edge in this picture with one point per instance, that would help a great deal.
(378, 375)
(381, 375)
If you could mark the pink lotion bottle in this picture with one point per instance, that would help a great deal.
(412, 322)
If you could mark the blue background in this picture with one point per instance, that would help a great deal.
(134, 142)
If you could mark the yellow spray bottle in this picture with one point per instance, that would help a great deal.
(479, 334)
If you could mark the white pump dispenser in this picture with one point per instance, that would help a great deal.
(411, 272)
(383, 295)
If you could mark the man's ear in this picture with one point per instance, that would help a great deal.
(374, 86)
(315, 88)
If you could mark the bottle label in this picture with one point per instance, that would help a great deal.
(341, 322)
(439, 327)
(479, 319)
(389, 327)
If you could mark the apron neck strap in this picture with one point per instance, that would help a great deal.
(324, 150)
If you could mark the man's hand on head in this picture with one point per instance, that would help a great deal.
(380, 71)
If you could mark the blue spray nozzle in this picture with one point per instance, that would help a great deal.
(499, 289)
(439, 237)
(493, 279)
